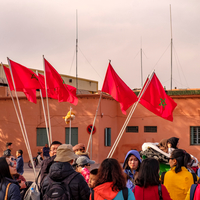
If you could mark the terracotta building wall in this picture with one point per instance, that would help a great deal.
(109, 115)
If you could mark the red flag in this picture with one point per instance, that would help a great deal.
(157, 101)
(54, 81)
(114, 86)
(52, 93)
(30, 93)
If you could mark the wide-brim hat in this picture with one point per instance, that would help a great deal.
(65, 153)
(84, 160)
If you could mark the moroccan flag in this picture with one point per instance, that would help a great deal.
(54, 81)
(52, 93)
(30, 93)
(24, 78)
(114, 86)
(156, 100)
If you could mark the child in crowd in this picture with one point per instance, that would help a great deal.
(93, 178)
(83, 165)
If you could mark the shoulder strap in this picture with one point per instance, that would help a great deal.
(162, 177)
(194, 177)
(125, 193)
(6, 195)
(92, 196)
(160, 192)
(70, 177)
(192, 191)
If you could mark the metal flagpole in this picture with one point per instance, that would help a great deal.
(90, 138)
(129, 117)
(70, 133)
(44, 114)
(48, 112)
(22, 120)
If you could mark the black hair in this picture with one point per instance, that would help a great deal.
(148, 173)
(181, 157)
(20, 151)
(55, 142)
(173, 141)
(8, 144)
(126, 166)
(4, 171)
(94, 171)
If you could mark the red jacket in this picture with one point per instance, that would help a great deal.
(150, 193)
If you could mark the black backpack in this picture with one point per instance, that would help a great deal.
(59, 190)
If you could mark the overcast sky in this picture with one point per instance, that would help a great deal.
(107, 29)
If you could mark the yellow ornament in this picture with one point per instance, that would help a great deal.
(70, 116)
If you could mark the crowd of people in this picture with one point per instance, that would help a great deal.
(65, 174)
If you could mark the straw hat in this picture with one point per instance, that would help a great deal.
(65, 153)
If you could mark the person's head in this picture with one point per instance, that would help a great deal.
(53, 148)
(178, 159)
(4, 170)
(132, 160)
(111, 171)
(19, 153)
(163, 145)
(173, 142)
(46, 145)
(65, 153)
(148, 173)
(83, 161)
(79, 148)
(9, 145)
(93, 178)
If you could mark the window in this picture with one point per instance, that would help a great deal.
(195, 135)
(107, 137)
(132, 129)
(152, 129)
(41, 136)
(74, 135)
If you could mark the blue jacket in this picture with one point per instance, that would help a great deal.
(13, 191)
(46, 151)
(20, 165)
(120, 195)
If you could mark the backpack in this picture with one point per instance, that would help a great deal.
(59, 190)
(124, 192)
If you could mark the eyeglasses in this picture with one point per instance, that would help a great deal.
(53, 150)
(170, 158)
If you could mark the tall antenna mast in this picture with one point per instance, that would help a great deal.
(76, 51)
(171, 44)
(141, 65)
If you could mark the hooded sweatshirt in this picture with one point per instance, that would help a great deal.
(104, 191)
(130, 183)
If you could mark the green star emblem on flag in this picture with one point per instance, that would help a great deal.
(162, 103)
(33, 76)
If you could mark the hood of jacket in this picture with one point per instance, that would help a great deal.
(60, 170)
(132, 152)
(104, 191)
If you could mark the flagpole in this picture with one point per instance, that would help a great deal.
(48, 112)
(128, 119)
(20, 123)
(70, 133)
(93, 125)
(22, 120)
(45, 119)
